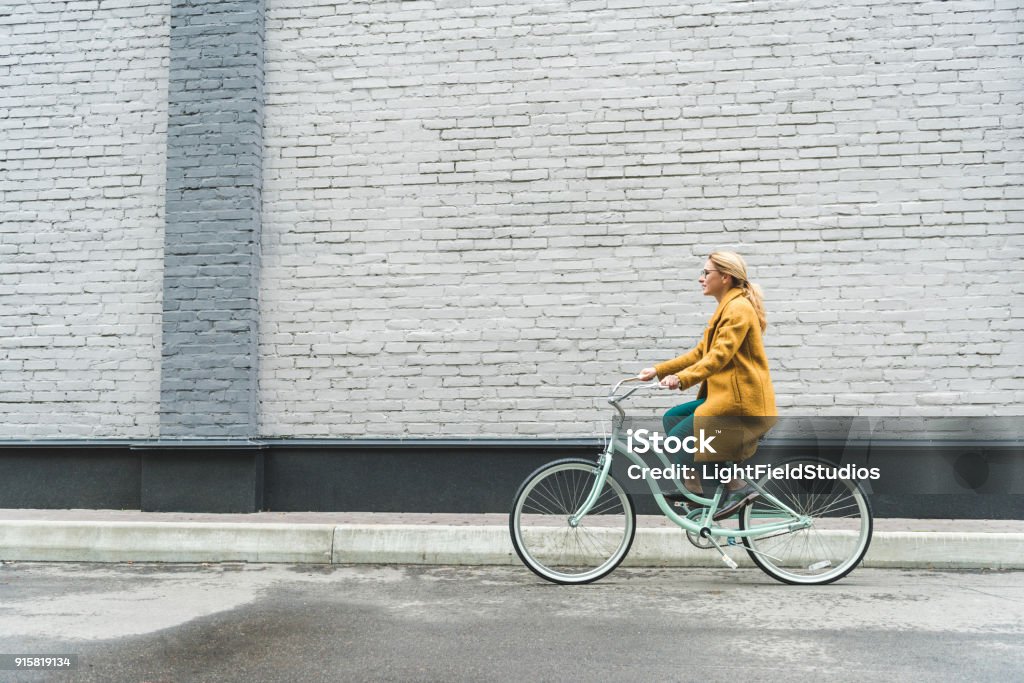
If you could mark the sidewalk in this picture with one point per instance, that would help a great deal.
(407, 538)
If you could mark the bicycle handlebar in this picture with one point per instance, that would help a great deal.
(614, 400)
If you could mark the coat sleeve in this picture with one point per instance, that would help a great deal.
(682, 362)
(732, 330)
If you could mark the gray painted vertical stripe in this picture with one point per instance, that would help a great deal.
(211, 244)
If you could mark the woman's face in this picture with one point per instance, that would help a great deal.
(714, 283)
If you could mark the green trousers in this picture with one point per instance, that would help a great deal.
(678, 422)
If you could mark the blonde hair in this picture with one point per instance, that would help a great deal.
(731, 263)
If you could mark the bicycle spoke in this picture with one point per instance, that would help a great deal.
(601, 507)
(559, 508)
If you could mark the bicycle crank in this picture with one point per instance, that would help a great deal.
(698, 542)
(731, 563)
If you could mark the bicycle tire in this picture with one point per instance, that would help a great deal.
(540, 530)
(819, 554)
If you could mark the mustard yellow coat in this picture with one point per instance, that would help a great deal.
(732, 368)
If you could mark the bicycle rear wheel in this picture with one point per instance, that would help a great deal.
(540, 529)
(828, 550)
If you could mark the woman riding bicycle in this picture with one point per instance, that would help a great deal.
(573, 522)
(729, 363)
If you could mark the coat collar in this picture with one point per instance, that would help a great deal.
(729, 296)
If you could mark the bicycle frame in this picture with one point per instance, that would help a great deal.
(707, 525)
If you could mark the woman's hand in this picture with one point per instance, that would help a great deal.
(670, 382)
(647, 373)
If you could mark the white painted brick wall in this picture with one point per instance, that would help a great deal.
(477, 215)
(83, 116)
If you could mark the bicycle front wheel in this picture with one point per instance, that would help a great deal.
(827, 550)
(551, 547)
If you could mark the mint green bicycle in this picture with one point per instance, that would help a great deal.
(572, 523)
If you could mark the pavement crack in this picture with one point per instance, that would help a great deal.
(991, 595)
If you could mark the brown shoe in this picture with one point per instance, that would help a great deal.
(731, 510)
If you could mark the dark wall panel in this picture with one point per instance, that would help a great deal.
(65, 478)
(425, 478)
(457, 477)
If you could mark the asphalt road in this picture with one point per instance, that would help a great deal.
(234, 622)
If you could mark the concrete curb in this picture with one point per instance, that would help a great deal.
(946, 550)
(62, 541)
(45, 541)
(411, 544)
